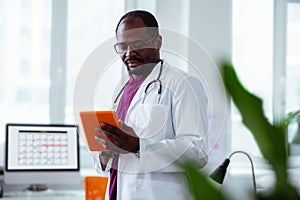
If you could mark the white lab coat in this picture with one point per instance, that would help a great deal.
(171, 131)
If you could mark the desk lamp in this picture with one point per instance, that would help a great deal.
(218, 174)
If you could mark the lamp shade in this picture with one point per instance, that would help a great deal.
(219, 174)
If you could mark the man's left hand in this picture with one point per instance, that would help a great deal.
(121, 140)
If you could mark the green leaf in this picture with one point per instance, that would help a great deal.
(292, 116)
(199, 186)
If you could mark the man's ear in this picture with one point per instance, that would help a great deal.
(158, 42)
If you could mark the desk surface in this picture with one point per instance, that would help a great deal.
(45, 195)
(64, 192)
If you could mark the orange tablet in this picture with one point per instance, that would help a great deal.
(92, 119)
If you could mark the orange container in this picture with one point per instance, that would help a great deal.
(95, 187)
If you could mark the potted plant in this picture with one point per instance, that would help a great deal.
(270, 138)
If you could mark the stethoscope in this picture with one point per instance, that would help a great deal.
(148, 85)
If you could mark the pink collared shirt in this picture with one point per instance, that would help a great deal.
(129, 91)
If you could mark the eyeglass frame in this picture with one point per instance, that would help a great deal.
(138, 49)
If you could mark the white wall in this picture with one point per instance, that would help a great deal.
(208, 22)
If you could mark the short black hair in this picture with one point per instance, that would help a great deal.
(148, 19)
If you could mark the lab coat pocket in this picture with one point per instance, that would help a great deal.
(149, 120)
(156, 190)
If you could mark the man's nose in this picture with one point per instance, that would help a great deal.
(130, 51)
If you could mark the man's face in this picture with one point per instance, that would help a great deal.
(141, 48)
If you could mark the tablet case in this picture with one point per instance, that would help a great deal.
(92, 119)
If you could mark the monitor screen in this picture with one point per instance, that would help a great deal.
(41, 154)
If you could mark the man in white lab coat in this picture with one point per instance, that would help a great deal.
(162, 115)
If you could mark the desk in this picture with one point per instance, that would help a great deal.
(48, 195)
(64, 192)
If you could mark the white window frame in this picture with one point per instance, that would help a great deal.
(279, 59)
(58, 61)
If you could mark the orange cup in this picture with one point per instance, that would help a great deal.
(95, 187)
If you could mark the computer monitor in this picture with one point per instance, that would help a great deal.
(41, 154)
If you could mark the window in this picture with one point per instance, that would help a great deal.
(86, 32)
(293, 59)
(266, 51)
(26, 54)
(252, 58)
(292, 88)
(24, 88)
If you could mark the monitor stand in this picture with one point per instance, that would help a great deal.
(37, 187)
(36, 190)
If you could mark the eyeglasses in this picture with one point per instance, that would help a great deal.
(139, 45)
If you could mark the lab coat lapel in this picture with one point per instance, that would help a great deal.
(139, 94)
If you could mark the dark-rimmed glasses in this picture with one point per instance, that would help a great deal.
(139, 45)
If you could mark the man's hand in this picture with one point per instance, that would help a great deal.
(119, 141)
